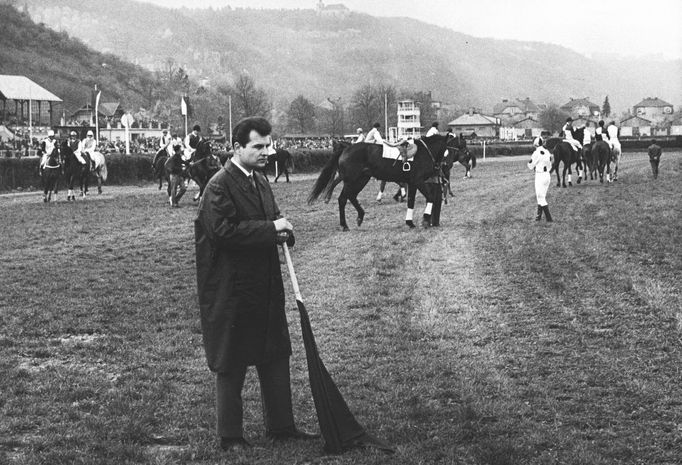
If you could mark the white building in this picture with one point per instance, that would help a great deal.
(409, 123)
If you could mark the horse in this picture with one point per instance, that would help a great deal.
(358, 163)
(616, 152)
(158, 166)
(203, 166)
(50, 175)
(75, 172)
(589, 161)
(464, 157)
(564, 153)
(400, 194)
(601, 151)
(97, 165)
(282, 161)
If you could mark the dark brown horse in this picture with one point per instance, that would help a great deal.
(601, 151)
(50, 175)
(564, 153)
(281, 161)
(203, 166)
(358, 163)
(75, 172)
(461, 155)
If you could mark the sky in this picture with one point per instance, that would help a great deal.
(638, 28)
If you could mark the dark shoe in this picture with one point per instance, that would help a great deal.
(290, 434)
(538, 217)
(234, 444)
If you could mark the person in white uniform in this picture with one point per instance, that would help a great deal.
(567, 130)
(47, 146)
(541, 162)
(433, 130)
(612, 131)
(361, 136)
(374, 136)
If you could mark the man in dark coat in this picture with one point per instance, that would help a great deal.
(241, 294)
(654, 157)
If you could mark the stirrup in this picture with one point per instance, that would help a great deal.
(406, 166)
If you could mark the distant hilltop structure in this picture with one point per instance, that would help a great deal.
(333, 10)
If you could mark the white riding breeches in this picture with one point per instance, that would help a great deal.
(542, 181)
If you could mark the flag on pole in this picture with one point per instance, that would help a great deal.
(183, 106)
(95, 99)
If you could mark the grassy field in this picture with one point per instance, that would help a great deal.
(490, 340)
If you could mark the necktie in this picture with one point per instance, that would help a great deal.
(252, 181)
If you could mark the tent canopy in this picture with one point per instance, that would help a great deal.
(22, 88)
(5, 134)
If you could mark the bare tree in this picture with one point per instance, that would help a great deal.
(552, 118)
(249, 100)
(366, 107)
(301, 114)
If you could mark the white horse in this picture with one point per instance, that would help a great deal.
(99, 169)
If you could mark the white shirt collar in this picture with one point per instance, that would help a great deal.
(246, 172)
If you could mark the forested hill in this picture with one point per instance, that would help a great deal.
(65, 66)
(291, 52)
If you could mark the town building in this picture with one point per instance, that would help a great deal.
(635, 126)
(581, 107)
(409, 121)
(476, 124)
(333, 10)
(654, 109)
(22, 102)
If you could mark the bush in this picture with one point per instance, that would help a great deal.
(310, 161)
(22, 173)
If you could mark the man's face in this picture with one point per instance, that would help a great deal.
(255, 154)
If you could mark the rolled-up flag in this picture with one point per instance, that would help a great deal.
(340, 430)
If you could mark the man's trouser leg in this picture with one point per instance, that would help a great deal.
(229, 408)
(654, 168)
(275, 392)
(275, 387)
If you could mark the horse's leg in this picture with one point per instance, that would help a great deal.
(353, 197)
(278, 171)
(382, 186)
(411, 195)
(343, 198)
(286, 172)
(558, 175)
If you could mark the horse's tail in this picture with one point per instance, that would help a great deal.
(103, 171)
(290, 161)
(473, 159)
(326, 178)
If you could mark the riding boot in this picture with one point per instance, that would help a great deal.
(548, 217)
(538, 216)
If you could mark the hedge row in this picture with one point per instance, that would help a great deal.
(22, 173)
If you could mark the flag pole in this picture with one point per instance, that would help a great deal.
(386, 114)
(229, 106)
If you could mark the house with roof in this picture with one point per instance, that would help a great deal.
(110, 112)
(513, 108)
(654, 109)
(475, 123)
(635, 126)
(581, 107)
(333, 10)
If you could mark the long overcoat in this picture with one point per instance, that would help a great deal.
(239, 280)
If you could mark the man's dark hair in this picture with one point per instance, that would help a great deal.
(434, 124)
(196, 128)
(653, 141)
(377, 125)
(242, 131)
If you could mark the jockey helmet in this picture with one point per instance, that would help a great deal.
(601, 122)
(50, 133)
(376, 125)
(90, 133)
(569, 119)
(165, 131)
(434, 124)
(537, 142)
(359, 130)
(73, 133)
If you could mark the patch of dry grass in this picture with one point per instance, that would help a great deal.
(490, 340)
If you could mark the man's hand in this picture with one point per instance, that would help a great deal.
(282, 225)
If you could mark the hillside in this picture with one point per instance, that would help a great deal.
(294, 51)
(66, 66)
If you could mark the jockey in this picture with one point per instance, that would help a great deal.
(47, 146)
(176, 141)
(164, 147)
(74, 145)
(374, 136)
(538, 142)
(612, 131)
(433, 130)
(599, 131)
(88, 145)
(361, 136)
(568, 134)
(587, 135)
(191, 142)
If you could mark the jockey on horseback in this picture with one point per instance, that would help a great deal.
(164, 147)
(191, 143)
(47, 146)
(612, 131)
(568, 135)
(599, 132)
(361, 136)
(89, 146)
